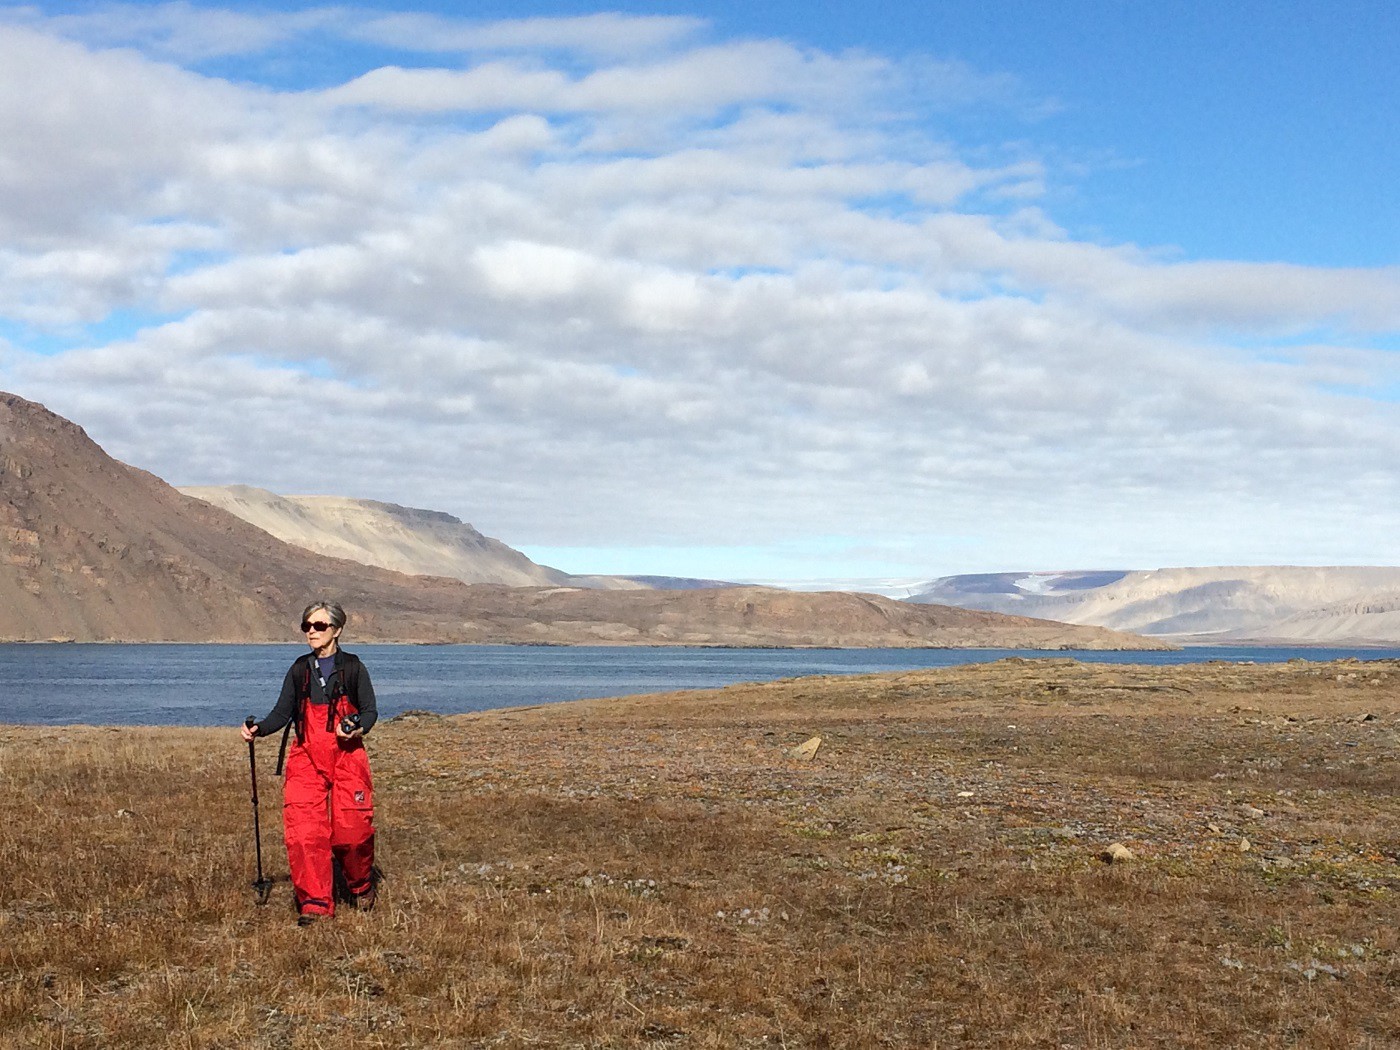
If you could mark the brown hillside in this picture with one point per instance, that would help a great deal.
(761, 616)
(92, 549)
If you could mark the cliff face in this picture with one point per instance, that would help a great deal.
(92, 549)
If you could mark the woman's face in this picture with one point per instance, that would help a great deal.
(321, 634)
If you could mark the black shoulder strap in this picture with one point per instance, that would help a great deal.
(282, 751)
(352, 678)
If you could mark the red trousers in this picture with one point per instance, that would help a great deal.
(327, 812)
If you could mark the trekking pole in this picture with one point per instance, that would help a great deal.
(261, 884)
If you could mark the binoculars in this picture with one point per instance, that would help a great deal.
(350, 723)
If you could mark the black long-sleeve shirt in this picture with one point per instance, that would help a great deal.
(352, 674)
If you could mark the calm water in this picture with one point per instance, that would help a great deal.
(204, 685)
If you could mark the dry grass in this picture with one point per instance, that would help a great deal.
(659, 872)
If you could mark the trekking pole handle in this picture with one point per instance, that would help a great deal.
(250, 721)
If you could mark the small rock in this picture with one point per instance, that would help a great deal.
(1117, 854)
(966, 794)
(1314, 967)
(1214, 829)
(807, 751)
(1252, 812)
(1245, 847)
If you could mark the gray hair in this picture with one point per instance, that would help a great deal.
(333, 610)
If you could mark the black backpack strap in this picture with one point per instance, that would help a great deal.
(282, 751)
(351, 679)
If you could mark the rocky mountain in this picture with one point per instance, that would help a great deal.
(1345, 605)
(93, 549)
(406, 539)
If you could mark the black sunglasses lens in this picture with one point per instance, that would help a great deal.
(319, 625)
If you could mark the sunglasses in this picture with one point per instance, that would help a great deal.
(318, 625)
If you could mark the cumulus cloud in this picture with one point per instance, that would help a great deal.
(608, 281)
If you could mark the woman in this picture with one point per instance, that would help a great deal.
(327, 798)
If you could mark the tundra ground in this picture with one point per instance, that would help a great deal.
(663, 872)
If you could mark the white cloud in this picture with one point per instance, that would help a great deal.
(491, 86)
(532, 272)
(91, 139)
(605, 35)
(727, 293)
(698, 81)
(183, 32)
(179, 31)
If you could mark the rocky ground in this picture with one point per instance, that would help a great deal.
(1027, 853)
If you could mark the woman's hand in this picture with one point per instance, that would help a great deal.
(250, 732)
(342, 735)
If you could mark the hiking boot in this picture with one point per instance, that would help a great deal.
(365, 901)
(310, 918)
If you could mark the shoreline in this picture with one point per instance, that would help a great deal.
(1024, 664)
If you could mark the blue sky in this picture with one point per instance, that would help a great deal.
(826, 292)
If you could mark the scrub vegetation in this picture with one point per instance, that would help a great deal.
(663, 872)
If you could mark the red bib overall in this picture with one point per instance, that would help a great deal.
(327, 810)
